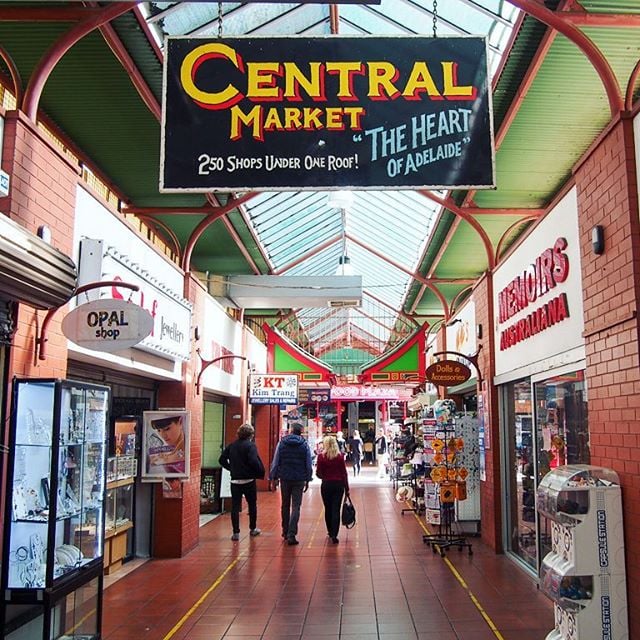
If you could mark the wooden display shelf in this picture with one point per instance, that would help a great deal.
(114, 484)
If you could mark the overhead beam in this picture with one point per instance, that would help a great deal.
(587, 19)
(47, 14)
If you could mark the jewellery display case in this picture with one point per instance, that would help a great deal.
(121, 477)
(584, 573)
(54, 519)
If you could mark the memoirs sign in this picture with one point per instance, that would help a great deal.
(296, 112)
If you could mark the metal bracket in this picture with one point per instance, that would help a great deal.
(207, 363)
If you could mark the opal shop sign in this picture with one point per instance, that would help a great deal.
(107, 325)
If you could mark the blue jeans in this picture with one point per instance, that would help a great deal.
(291, 492)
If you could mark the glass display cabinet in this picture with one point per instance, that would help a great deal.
(122, 470)
(54, 519)
(584, 573)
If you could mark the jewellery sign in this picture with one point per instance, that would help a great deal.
(107, 325)
(309, 113)
(273, 389)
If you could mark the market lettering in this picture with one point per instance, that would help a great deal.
(258, 119)
(555, 311)
(273, 81)
(550, 268)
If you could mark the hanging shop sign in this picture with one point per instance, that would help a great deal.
(311, 113)
(314, 395)
(447, 373)
(549, 269)
(362, 392)
(273, 389)
(107, 325)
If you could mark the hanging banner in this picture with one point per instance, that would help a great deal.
(293, 113)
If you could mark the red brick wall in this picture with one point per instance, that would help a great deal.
(607, 195)
(491, 488)
(176, 522)
(43, 191)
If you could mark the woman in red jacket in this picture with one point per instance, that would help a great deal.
(332, 470)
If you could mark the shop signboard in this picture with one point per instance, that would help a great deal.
(107, 325)
(284, 113)
(362, 392)
(447, 373)
(272, 388)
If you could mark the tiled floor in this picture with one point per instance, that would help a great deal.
(380, 582)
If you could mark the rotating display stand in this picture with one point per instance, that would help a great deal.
(450, 479)
(584, 573)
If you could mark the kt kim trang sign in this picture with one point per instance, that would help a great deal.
(273, 389)
(310, 113)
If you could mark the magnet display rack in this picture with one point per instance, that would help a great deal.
(450, 479)
(584, 573)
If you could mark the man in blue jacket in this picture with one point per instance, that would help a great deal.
(292, 467)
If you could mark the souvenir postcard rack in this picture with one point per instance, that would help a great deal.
(51, 576)
(449, 477)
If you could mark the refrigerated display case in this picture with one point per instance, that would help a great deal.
(584, 573)
(54, 532)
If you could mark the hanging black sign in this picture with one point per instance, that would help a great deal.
(333, 112)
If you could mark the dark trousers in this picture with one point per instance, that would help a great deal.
(247, 490)
(356, 464)
(291, 492)
(332, 492)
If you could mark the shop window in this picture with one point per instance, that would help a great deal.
(546, 427)
(562, 433)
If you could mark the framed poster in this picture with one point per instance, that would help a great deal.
(165, 444)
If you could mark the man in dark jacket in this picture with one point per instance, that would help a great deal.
(241, 459)
(292, 467)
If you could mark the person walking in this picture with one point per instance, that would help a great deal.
(242, 461)
(383, 455)
(292, 467)
(332, 470)
(355, 447)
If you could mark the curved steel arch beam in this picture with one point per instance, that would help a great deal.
(585, 44)
(447, 203)
(232, 203)
(15, 74)
(156, 225)
(50, 59)
(506, 232)
(454, 302)
(633, 78)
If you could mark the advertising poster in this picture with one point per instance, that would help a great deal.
(165, 444)
(308, 113)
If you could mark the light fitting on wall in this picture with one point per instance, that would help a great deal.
(597, 239)
(479, 331)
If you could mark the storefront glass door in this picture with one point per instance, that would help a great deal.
(520, 512)
(546, 426)
(562, 434)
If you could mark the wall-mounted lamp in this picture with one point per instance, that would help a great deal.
(479, 331)
(597, 239)
(196, 333)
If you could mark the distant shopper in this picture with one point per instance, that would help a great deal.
(342, 443)
(355, 449)
(332, 470)
(241, 459)
(368, 445)
(292, 467)
(383, 455)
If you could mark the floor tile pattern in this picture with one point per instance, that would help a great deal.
(381, 582)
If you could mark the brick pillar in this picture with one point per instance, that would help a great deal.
(491, 488)
(176, 522)
(608, 195)
(42, 191)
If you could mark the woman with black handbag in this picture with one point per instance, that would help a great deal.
(332, 470)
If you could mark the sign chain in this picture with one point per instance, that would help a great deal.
(219, 19)
(435, 18)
